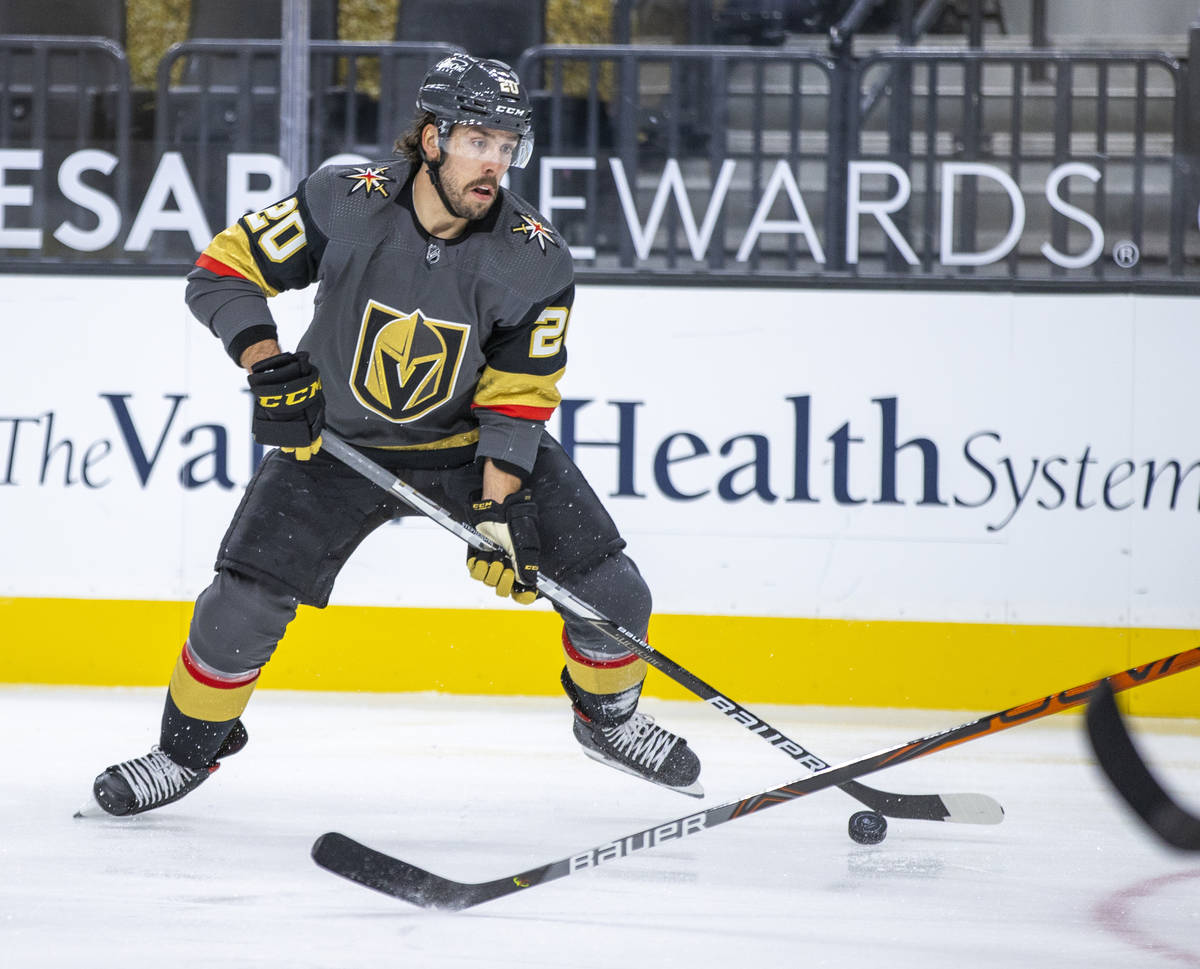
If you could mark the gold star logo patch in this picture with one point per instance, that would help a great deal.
(534, 229)
(370, 179)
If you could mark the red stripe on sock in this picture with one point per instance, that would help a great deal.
(211, 679)
(596, 664)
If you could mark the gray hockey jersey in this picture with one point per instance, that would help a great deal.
(443, 350)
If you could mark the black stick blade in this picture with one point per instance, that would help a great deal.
(1125, 768)
(392, 876)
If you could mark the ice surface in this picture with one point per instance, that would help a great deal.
(474, 788)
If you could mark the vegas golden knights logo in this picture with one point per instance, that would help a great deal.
(406, 364)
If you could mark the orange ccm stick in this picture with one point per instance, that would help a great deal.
(392, 876)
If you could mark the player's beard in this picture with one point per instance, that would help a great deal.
(466, 202)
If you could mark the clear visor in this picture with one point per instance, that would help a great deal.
(479, 143)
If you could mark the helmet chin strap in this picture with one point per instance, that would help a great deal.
(435, 177)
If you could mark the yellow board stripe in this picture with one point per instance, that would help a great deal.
(826, 662)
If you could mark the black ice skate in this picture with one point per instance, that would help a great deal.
(641, 747)
(152, 780)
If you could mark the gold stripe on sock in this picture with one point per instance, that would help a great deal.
(203, 702)
(599, 677)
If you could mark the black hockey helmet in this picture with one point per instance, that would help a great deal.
(461, 89)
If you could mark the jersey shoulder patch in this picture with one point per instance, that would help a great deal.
(535, 247)
(342, 197)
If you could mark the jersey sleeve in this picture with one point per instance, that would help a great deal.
(260, 255)
(517, 391)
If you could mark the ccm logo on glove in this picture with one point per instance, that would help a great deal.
(289, 404)
(512, 524)
(295, 397)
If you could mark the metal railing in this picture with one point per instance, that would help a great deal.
(1103, 128)
(213, 94)
(699, 117)
(65, 106)
(995, 175)
(753, 165)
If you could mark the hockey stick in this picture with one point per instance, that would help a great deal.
(1120, 760)
(392, 876)
(962, 808)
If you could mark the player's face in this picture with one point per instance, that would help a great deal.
(476, 158)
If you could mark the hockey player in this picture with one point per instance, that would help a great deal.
(437, 341)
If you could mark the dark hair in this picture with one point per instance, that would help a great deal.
(409, 143)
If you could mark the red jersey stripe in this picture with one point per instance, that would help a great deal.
(216, 266)
(517, 410)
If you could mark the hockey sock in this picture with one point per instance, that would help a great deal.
(605, 690)
(201, 708)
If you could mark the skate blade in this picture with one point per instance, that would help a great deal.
(692, 790)
(92, 809)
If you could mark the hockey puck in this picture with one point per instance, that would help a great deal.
(867, 827)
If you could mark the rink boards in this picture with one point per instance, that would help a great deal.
(838, 497)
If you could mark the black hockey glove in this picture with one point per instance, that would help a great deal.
(289, 404)
(511, 524)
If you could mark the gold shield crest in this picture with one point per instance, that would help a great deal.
(406, 364)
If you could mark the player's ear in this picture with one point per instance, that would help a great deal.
(429, 143)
